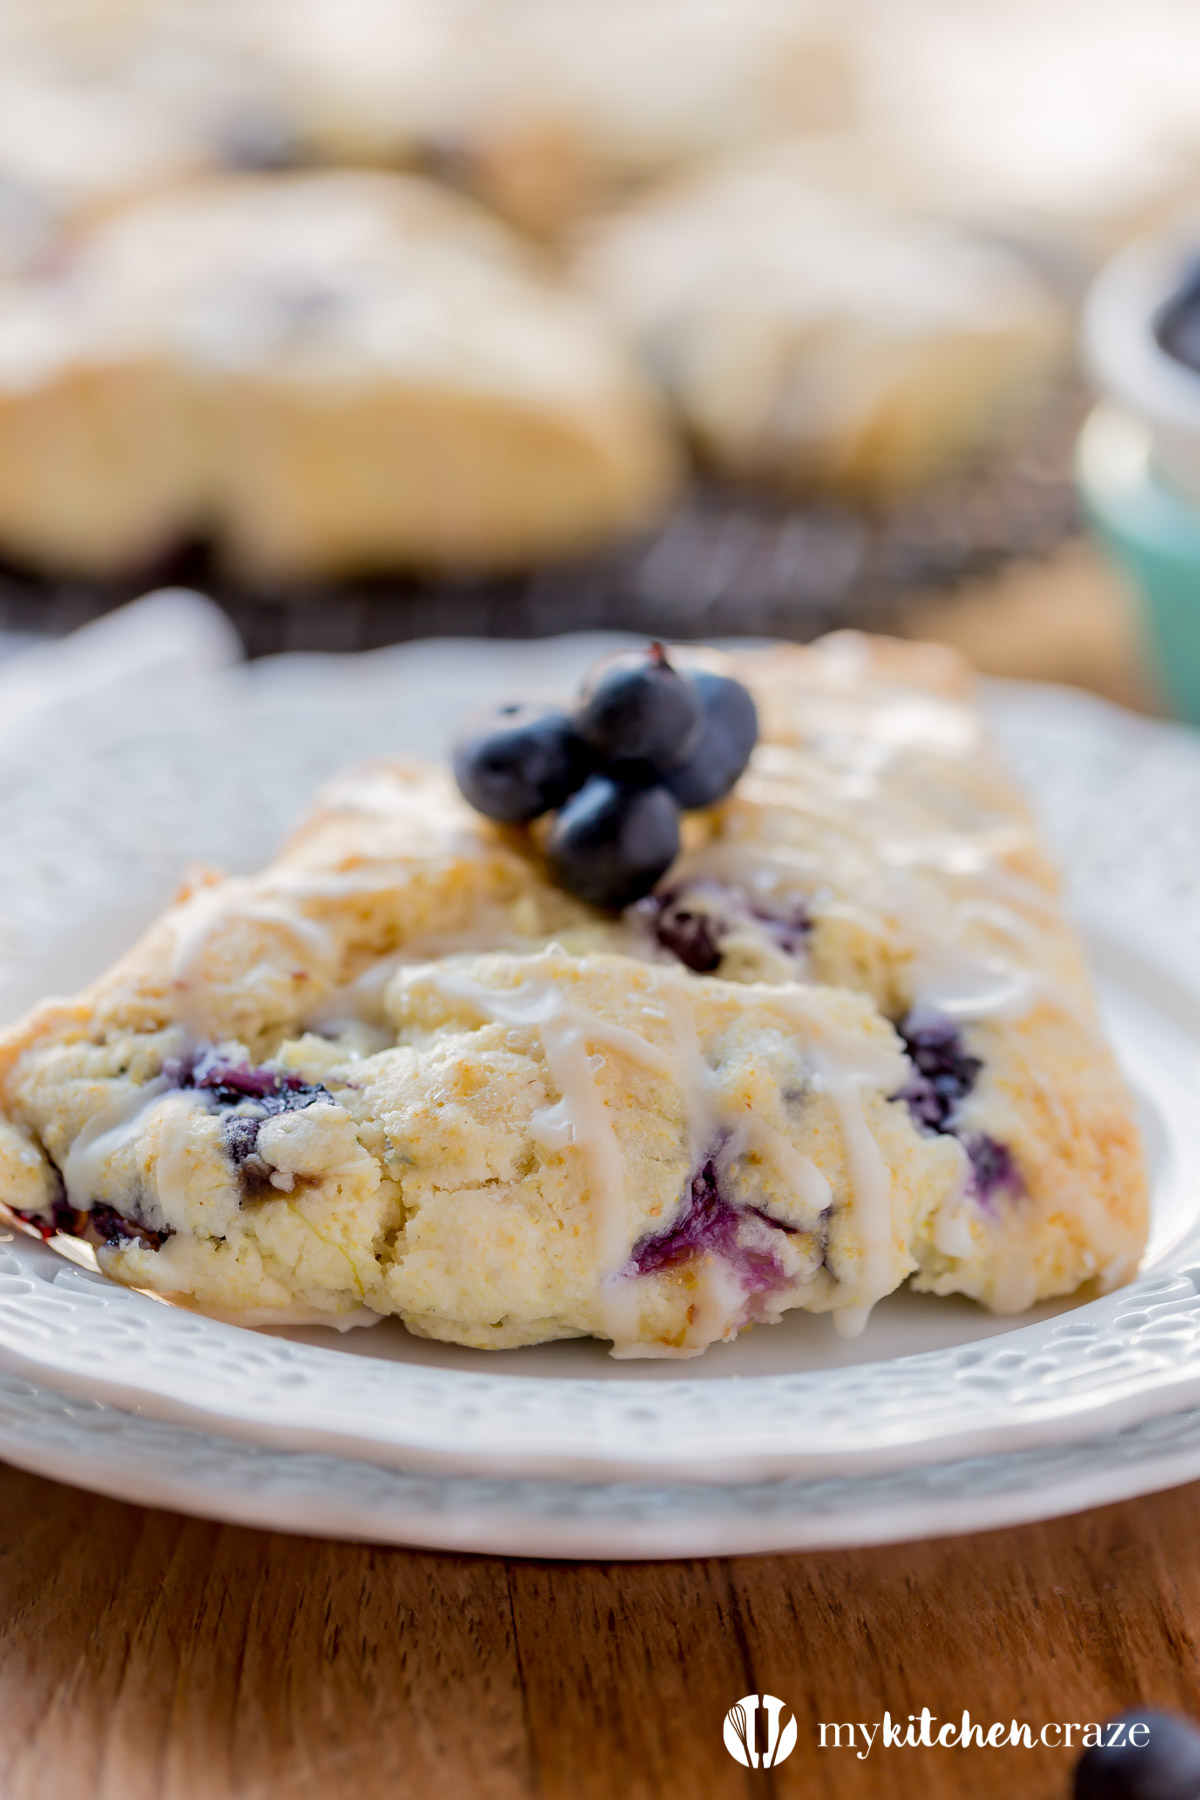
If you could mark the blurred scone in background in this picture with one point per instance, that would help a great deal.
(620, 291)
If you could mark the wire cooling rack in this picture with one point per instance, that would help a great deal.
(724, 563)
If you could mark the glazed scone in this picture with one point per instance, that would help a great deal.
(71, 149)
(849, 1039)
(545, 110)
(279, 1108)
(323, 373)
(811, 338)
(551, 1146)
(876, 845)
(101, 104)
(557, 111)
(360, 82)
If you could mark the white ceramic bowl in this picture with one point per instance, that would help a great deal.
(1126, 361)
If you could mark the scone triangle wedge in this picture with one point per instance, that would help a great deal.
(848, 1042)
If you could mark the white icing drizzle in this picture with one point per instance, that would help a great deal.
(718, 1311)
(976, 983)
(799, 1171)
(580, 1117)
(360, 1002)
(172, 1163)
(121, 1123)
(1000, 918)
(552, 1126)
(969, 988)
(950, 975)
(843, 1068)
(953, 1236)
(747, 1132)
(885, 832)
(871, 1187)
(694, 1079)
(105, 1134)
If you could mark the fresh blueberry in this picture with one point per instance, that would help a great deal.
(1164, 1763)
(611, 843)
(516, 762)
(639, 715)
(728, 735)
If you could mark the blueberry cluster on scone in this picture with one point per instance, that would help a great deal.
(846, 1040)
(644, 744)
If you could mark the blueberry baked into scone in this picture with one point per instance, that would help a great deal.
(323, 374)
(651, 1032)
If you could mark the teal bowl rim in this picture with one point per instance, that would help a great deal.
(1123, 492)
(1152, 534)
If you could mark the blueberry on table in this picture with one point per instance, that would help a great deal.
(639, 715)
(611, 843)
(515, 762)
(1162, 1764)
(729, 732)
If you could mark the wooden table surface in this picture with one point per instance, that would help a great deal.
(143, 1655)
(146, 1655)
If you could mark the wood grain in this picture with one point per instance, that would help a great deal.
(143, 1655)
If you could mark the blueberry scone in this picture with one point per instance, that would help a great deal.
(69, 149)
(545, 110)
(810, 337)
(847, 1039)
(324, 374)
(101, 104)
(875, 845)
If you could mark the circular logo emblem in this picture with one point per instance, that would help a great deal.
(757, 1734)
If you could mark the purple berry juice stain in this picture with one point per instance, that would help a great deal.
(99, 1225)
(707, 1225)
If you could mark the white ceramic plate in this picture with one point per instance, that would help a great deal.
(90, 843)
(156, 1464)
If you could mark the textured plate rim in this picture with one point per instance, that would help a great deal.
(144, 1462)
